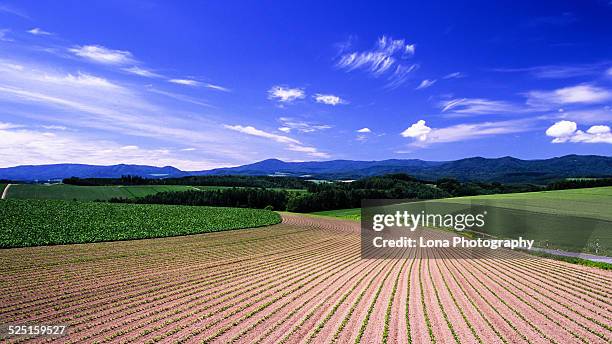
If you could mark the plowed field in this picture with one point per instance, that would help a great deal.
(297, 282)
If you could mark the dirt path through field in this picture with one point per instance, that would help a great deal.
(5, 191)
(301, 281)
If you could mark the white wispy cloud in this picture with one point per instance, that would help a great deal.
(579, 94)
(291, 143)
(141, 72)
(364, 130)
(454, 75)
(39, 32)
(567, 131)
(100, 54)
(4, 35)
(426, 83)
(329, 99)
(609, 72)
(288, 124)
(387, 58)
(94, 102)
(257, 132)
(424, 135)
(186, 82)
(285, 94)
(217, 87)
(178, 96)
(21, 146)
(479, 106)
(558, 71)
(54, 127)
(400, 75)
(14, 11)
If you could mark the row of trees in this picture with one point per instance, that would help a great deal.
(237, 181)
(331, 195)
(580, 183)
(234, 197)
(322, 196)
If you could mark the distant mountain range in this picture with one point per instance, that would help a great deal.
(506, 169)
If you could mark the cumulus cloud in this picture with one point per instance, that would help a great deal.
(580, 94)
(39, 32)
(364, 130)
(417, 130)
(567, 131)
(285, 94)
(426, 83)
(186, 82)
(425, 135)
(387, 58)
(100, 54)
(291, 143)
(329, 99)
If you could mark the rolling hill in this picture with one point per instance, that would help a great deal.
(505, 169)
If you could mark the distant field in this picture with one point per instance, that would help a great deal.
(86, 193)
(347, 214)
(48, 222)
(591, 202)
(102, 193)
(581, 219)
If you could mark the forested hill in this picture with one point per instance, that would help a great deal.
(504, 170)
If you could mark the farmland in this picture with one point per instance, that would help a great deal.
(299, 281)
(591, 202)
(101, 193)
(86, 193)
(49, 222)
(548, 215)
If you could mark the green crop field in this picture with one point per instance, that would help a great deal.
(86, 193)
(49, 222)
(347, 214)
(102, 193)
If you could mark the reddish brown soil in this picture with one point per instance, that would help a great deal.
(302, 281)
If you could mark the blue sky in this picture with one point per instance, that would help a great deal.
(199, 85)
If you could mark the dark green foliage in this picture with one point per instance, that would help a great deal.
(231, 181)
(456, 188)
(234, 197)
(580, 183)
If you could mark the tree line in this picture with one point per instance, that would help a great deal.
(230, 180)
(580, 183)
(327, 195)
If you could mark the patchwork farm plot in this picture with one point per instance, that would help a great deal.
(301, 281)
